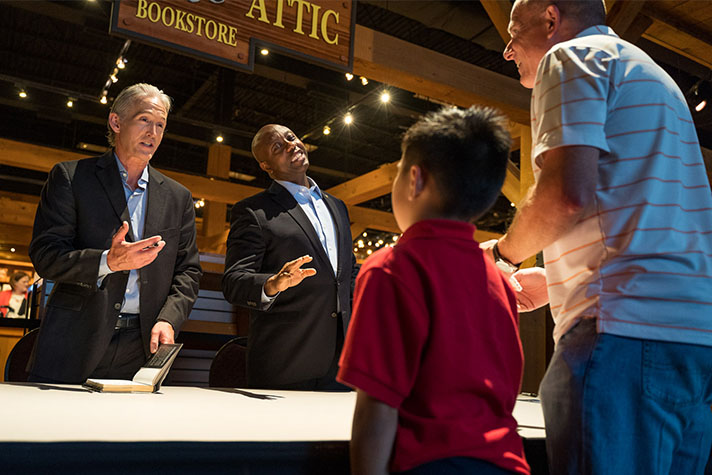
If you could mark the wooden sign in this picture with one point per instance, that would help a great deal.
(228, 32)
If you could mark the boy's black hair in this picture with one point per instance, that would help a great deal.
(466, 152)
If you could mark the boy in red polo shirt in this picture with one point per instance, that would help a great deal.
(433, 346)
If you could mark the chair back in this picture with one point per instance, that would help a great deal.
(229, 368)
(16, 365)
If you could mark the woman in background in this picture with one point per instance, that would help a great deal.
(13, 302)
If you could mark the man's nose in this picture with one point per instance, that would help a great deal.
(508, 53)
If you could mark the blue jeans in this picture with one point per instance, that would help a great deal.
(616, 405)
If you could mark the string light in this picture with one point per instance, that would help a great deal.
(114, 76)
(349, 76)
(374, 241)
(364, 81)
(348, 118)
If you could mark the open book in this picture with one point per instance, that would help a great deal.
(148, 379)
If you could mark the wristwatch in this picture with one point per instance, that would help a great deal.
(502, 263)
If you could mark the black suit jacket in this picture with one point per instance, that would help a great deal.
(293, 339)
(81, 208)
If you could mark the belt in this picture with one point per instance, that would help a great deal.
(127, 321)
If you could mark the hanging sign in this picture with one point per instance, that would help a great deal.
(229, 31)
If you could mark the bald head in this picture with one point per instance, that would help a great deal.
(259, 139)
(281, 154)
(582, 13)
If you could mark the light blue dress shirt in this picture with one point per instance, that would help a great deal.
(312, 203)
(136, 202)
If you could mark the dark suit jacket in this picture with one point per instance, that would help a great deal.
(81, 208)
(293, 339)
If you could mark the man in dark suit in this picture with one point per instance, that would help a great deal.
(298, 316)
(117, 295)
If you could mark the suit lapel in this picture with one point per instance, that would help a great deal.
(155, 203)
(341, 232)
(287, 201)
(108, 175)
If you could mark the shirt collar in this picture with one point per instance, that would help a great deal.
(295, 189)
(438, 229)
(142, 181)
(597, 30)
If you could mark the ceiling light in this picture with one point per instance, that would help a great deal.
(103, 100)
(219, 139)
(701, 105)
(364, 81)
(120, 63)
(70, 102)
(348, 118)
(12, 249)
(22, 94)
(385, 97)
(349, 76)
(264, 51)
(114, 79)
(327, 130)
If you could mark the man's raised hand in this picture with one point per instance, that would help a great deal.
(290, 275)
(125, 255)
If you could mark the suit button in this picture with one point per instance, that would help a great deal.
(117, 306)
(334, 314)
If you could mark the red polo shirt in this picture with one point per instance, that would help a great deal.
(434, 333)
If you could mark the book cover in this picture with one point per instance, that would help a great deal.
(147, 379)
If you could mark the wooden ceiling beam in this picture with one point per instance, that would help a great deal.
(622, 15)
(498, 11)
(368, 186)
(662, 32)
(394, 61)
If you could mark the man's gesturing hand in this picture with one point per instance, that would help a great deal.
(290, 275)
(162, 332)
(125, 255)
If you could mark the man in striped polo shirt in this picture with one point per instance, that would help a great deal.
(622, 210)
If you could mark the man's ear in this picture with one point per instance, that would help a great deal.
(552, 16)
(264, 166)
(416, 181)
(114, 122)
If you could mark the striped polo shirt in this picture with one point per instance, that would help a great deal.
(640, 258)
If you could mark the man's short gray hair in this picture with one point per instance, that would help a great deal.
(128, 98)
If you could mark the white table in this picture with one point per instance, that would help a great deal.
(206, 425)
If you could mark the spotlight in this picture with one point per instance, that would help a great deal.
(385, 97)
(327, 130)
(22, 94)
(70, 102)
(219, 139)
(12, 249)
(349, 76)
(120, 63)
(348, 118)
(699, 95)
(364, 81)
(103, 100)
(114, 79)
(264, 51)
